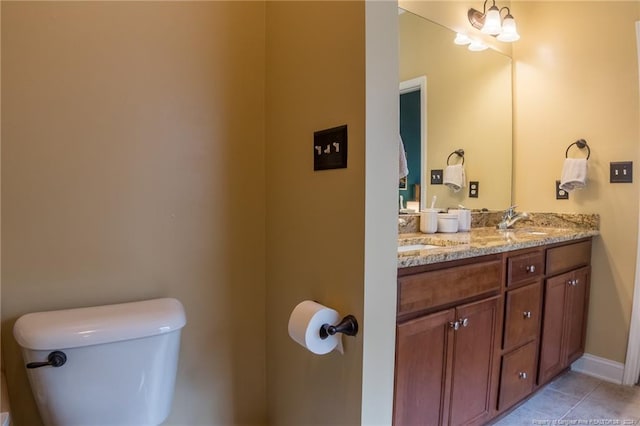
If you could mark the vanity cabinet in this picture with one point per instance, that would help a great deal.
(562, 333)
(564, 321)
(477, 336)
(445, 364)
(447, 350)
(565, 308)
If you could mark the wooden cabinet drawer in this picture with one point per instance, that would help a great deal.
(567, 257)
(517, 377)
(522, 315)
(524, 266)
(432, 289)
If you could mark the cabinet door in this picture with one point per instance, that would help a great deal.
(423, 347)
(474, 372)
(576, 314)
(551, 353)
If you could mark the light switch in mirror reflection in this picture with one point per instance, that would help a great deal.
(467, 105)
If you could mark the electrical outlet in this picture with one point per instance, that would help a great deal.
(621, 172)
(474, 188)
(436, 177)
(561, 194)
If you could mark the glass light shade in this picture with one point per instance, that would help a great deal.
(509, 32)
(492, 23)
(462, 39)
(477, 46)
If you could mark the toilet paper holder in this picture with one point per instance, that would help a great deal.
(348, 326)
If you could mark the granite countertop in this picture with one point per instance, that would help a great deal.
(482, 241)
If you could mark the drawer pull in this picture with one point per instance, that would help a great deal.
(522, 375)
(571, 282)
(464, 322)
(526, 314)
(454, 324)
(530, 268)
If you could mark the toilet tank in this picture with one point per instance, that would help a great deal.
(121, 362)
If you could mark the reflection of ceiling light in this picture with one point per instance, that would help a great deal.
(491, 22)
(462, 39)
(477, 46)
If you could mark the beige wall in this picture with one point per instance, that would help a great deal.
(576, 79)
(468, 106)
(315, 220)
(132, 168)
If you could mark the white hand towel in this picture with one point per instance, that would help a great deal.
(574, 174)
(454, 178)
(404, 169)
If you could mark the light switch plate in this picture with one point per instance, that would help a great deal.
(621, 172)
(330, 148)
(436, 177)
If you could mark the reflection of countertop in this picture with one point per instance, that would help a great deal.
(482, 241)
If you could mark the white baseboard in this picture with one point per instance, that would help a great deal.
(601, 368)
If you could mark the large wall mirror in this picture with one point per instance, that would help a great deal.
(452, 98)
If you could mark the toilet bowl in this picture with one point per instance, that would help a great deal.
(103, 365)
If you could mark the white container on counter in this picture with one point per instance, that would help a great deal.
(429, 221)
(464, 219)
(447, 222)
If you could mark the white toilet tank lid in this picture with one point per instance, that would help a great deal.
(70, 328)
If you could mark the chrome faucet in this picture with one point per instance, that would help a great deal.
(510, 217)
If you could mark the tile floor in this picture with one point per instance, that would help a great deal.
(577, 399)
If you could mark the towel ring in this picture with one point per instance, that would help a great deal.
(459, 153)
(580, 143)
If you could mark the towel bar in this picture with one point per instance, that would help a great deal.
(580, 143)
(459, 152)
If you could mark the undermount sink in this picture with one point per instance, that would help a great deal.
(416, 247)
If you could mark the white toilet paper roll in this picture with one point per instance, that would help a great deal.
(305, 322)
